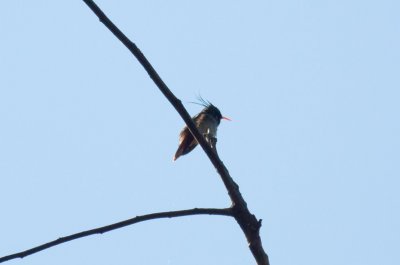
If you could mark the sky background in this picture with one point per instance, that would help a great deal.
(86, 138)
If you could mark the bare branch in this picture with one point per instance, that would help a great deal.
(107, 228)
(247, 221)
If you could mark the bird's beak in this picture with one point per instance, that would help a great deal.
(225, 118)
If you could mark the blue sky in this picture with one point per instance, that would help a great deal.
(86, 138)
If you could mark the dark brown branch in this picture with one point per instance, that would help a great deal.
(247, 221)
(107, 228)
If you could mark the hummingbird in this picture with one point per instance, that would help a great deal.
(206, 121)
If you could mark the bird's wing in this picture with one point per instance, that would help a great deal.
(186, 143)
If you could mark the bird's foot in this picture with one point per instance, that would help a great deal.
(212, 140)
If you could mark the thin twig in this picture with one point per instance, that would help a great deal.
(247, 221)
(107, 228)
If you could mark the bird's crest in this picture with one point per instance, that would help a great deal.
(202, 102)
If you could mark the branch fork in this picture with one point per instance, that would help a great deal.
(246, 220)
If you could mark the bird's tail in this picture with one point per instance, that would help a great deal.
(178, 153)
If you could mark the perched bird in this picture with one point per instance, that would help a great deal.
(206, 121)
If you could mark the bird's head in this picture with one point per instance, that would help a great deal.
(209, 108)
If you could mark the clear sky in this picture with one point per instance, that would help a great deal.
(86, 138)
